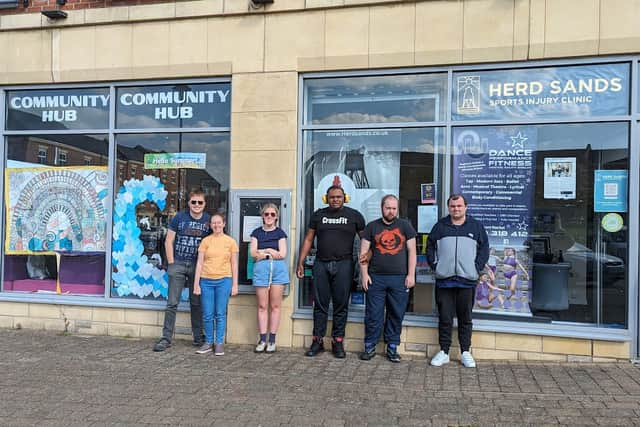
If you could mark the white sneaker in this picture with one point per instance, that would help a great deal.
(440, 359)
(467, 360)
(271, 347)
(260, 347)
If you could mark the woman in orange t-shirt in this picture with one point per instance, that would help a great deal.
(216, 278)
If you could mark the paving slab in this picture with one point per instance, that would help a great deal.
(54, 379)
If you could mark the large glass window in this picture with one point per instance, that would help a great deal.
(553, 199)
(371, 162)
(376, 99)
(176, 106)
(568, 92)
(368, 164)
(151, 195)
(55, 227)
(58, 109)
(58, 186)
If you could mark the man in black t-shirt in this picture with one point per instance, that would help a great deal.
(387, 277)
(335, 228)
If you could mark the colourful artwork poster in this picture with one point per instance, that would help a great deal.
(59, 209)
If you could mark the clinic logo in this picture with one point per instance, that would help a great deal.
(468, 95)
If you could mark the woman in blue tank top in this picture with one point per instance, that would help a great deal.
(270, 274)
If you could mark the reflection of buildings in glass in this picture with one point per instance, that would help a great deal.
(130, 163)
(55, 150)
(214, 197)
(354, 167)
(177, 182)
(66, 149)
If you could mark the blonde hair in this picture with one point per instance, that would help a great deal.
(269, 206)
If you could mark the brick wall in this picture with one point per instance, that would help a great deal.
(36, 6)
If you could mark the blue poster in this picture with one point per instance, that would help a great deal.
(494, 168)
(610, 191)
(577, 91)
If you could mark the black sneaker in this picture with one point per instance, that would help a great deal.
(316, 347)
(162, 345)
(337, 348)
(198, 342)
(368, 355)
(392, 355)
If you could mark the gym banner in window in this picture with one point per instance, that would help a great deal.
(577, 91)
(495, 171)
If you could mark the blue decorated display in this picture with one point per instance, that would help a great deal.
(134, 274)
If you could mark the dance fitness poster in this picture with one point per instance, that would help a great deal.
(55, 209)
(495, 171)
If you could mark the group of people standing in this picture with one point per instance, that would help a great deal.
(204, 259)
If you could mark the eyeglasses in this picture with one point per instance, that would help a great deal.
(197, 202)
(273, 214)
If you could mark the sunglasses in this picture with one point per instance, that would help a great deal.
(197, 202)
(273, 214)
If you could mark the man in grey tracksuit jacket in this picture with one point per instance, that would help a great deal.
(457, 250)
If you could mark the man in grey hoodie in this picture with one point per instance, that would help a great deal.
(457, 250)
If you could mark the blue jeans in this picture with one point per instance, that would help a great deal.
(385, 291)
(214, 299)
(180, 276)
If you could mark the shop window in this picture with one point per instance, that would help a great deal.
(174, 106)
(376, 99)
(145, 204)
(56, 216)
(57, 191)
(369, 163)
(554, 201)
(58, 109)
(568, 92)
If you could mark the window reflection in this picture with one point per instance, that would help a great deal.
(598, 258)
(56, 222)
(58, 109)
(154, 208)
(175, 106)
(552, 255)
(370, 163)
(377, 99)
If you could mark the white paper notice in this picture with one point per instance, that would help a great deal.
(250, 224)
(560, 178)
(427, 218)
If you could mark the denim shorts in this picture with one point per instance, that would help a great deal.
(266, 269)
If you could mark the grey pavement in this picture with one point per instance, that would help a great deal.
(49, 378)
